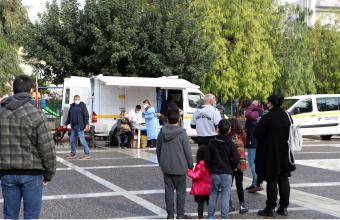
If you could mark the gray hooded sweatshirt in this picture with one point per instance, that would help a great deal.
(174, 150)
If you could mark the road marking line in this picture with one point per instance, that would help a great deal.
(322, 145)
(140, 201)
(193, 214)
(112, 167)
(321, 204)
(94, 151)
(311, 201)
(319, 152)
(139, 153)
(305, 185)
(104, 158)
(328, 164)
(152, 191)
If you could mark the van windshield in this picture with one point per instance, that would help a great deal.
(287, 103)
(195, 99)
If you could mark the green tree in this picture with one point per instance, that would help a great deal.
(13, 21)
(49, 42)
(118, 37)
(9, 67)
(326, 58)
(245, 66)
(291, 49)
(171, 42)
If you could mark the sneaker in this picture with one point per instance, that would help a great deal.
(86, 157)
(255, 189)
(243, 208)
(71, 156)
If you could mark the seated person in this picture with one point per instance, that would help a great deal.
(135, 116)
(124, 130)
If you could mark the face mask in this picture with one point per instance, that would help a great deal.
(77, 102)
(145, 106)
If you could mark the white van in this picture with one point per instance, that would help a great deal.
(317, 114)
(107, 96)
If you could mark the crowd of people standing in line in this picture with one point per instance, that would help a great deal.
(221, 158)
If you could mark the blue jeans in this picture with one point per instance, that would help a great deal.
(223, 181)
(17, 187)
(251, 161)
(74, 141)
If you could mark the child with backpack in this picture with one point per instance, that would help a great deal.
(238, 137)
(200, 180)
(223, 160)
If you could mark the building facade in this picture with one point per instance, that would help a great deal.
(327, 12)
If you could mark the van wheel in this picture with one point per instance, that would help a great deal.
(326, 137)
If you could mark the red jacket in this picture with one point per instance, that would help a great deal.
(200, 179)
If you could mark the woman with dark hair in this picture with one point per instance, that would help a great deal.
(152, 123)
(272, 156)
(238, 136)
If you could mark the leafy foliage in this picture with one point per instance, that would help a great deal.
(118, 37)
(235, 49)
(13, 22)
(292, 53)
(326, 59)
(8, 65)
(245, 66)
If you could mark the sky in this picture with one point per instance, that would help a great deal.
(38, 6)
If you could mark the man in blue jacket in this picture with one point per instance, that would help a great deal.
(78, 117)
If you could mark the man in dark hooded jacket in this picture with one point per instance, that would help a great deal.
(27, 154)
(175, 158)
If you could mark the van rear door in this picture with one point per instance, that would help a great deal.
(75, 86)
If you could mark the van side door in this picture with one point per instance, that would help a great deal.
(328, 117)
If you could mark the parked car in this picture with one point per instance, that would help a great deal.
(317, 114)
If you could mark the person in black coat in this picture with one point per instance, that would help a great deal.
(272, 162)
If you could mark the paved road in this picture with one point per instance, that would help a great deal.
(127, 183)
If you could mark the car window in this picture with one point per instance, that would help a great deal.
(67, 96)
(304, 106)
(287, 103)
(327, 104)
(195, 99)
